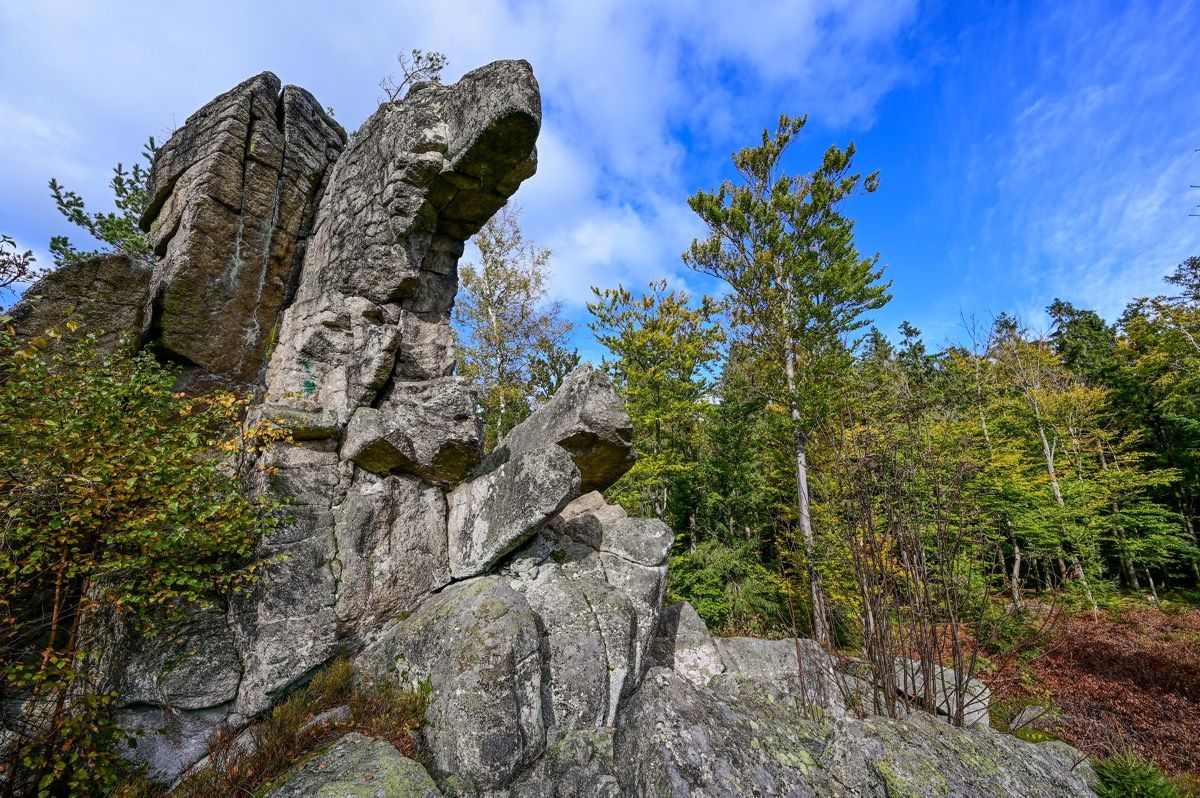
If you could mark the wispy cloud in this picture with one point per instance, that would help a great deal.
(643, 100)
(1099, 157)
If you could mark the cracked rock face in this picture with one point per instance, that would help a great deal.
(232, 197)
(106, 295)
(322, 272)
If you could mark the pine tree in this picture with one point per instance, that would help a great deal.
(800, 290)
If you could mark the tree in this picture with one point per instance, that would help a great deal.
(119, 229)
(416, 67)
(800, 290)
(512, 340)
(15, 266)
(122, 503)
(663, 352)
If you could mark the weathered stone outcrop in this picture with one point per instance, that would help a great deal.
(231, 200)
(683, 644)
(744, 737)
(588, 419)
(356, 766)
(105, 295)
(477, 644)
(323, 271)
(492, 515)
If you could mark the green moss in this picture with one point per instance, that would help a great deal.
(1033, 735)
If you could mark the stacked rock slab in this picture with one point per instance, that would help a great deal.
(531, 607)
(106, 295)
(231, 199)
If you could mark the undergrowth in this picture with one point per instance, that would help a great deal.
(1126, 685)
(1125, 775)
(292, 730)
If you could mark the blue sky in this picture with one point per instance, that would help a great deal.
(1027, 150)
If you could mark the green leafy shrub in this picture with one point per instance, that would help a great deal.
(122, 506)
(1126, 776)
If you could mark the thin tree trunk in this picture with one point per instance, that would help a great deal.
(1015, 581)
(820, 614)
(1153, 590)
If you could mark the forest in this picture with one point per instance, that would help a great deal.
(990, 504)
(970, 502)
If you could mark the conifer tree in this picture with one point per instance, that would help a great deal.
(799, 290)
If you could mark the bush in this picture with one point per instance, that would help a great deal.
(287, 734)
(122, 506)
(1126, 776)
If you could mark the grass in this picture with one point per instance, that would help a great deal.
(1126, 775)
(286, 735)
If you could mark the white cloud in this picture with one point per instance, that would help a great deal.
(636, 94)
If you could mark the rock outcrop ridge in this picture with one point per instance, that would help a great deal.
(322, 270)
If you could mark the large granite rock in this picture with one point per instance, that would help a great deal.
(587, 417)
(105, 295)
(355, 766)
(391, 547)
(497, 512)
(426, 428)
(231, 199)
(683, 644)
(943, 691)
(477, 644)
(752, 738)
(380, 271)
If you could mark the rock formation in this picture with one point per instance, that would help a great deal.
(321, 271)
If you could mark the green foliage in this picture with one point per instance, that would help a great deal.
(119, 229)
(1126, 776)
(15, 266)
(663, 350)
(121, 504)
(731, 590)
(512, 342)
(799, 293)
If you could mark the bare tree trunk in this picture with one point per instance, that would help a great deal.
(1015, 581)
(820, 613)
(1153, 590)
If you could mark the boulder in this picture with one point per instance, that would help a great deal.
(583, 520)
(580, 765)
(231, 200)
(354, 766)
(169, 741)
(1036, 718)
(105, 295)
(390, 537)
(425, 428)
(744, 737)
(589, 646)
(683, 644)
(795, 660)
(477, 644)
(587, 417)
(379, 274)
(190, 665)
(493, 514)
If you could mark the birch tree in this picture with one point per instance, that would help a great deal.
(512, 339)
